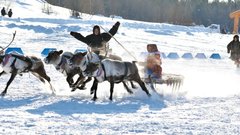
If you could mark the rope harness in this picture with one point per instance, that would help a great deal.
(8, 56)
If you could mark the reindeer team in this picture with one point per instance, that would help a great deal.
(95, 63)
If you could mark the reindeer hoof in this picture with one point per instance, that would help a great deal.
(54, 93)
(73, 89)
(130, 92)
(82, 88)
(134, 87)
(94, 99)
(3, 94)
(91, 92)
(71, 85)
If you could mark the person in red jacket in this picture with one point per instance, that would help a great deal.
(97, 40)
(154, 62)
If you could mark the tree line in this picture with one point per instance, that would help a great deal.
(183, 12)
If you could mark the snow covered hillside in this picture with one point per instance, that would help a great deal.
(207, 103)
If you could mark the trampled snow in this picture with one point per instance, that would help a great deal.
(207, 103)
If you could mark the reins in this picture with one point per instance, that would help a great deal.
(119, 44)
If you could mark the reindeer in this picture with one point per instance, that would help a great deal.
(2, 50)
(110, 70)
(17, 64)
(60, 62)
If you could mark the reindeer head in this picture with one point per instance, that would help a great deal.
(53, 57)
(77, 59)
(1, 58)
(1, 51)
(88, 62)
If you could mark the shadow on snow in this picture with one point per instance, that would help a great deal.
(73, 106)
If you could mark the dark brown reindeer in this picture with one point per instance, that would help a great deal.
(60, 62)
(17, 64)
(110, 70)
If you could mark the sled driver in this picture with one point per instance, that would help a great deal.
(97, 40)
(234, 49)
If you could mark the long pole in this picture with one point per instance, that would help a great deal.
(119, 43)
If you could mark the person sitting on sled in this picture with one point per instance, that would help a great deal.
(234, 48)
(153, 65)
(97, 41)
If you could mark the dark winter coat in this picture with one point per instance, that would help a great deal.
(10, 13)
(96, 41)
(3, 12)
(234, 48)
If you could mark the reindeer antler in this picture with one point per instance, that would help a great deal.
(3, 48)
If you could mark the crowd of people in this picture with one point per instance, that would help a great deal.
(4, 12)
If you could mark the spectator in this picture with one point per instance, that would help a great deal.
(224, 30)
(10, 13)
(234, 49)
(3, 11)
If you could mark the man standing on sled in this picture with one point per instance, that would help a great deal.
(97, 41)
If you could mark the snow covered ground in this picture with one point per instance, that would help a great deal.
(207, 103)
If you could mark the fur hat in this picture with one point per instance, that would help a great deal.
(96, 27)
(236, 36)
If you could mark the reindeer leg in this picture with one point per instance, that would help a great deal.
(48, 80)
(3, 72)
(126, 87)
(80, 80)
(111, 90)
(42, 73)
(77, 83)
(133, 86)
(70, 80)
(13, 75)
(84, 83)
(94, 87)
(142, 85)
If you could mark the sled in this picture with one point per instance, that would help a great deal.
(173, 80)
(153, 62)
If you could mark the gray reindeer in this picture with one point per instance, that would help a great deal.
(110, 70)
(17, 64)
(60, 62)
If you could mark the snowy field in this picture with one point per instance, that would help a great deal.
(207, 103)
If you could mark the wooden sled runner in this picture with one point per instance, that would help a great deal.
(173, 80)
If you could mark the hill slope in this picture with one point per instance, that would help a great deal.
(207, 103)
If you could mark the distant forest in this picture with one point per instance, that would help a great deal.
(183, 12)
